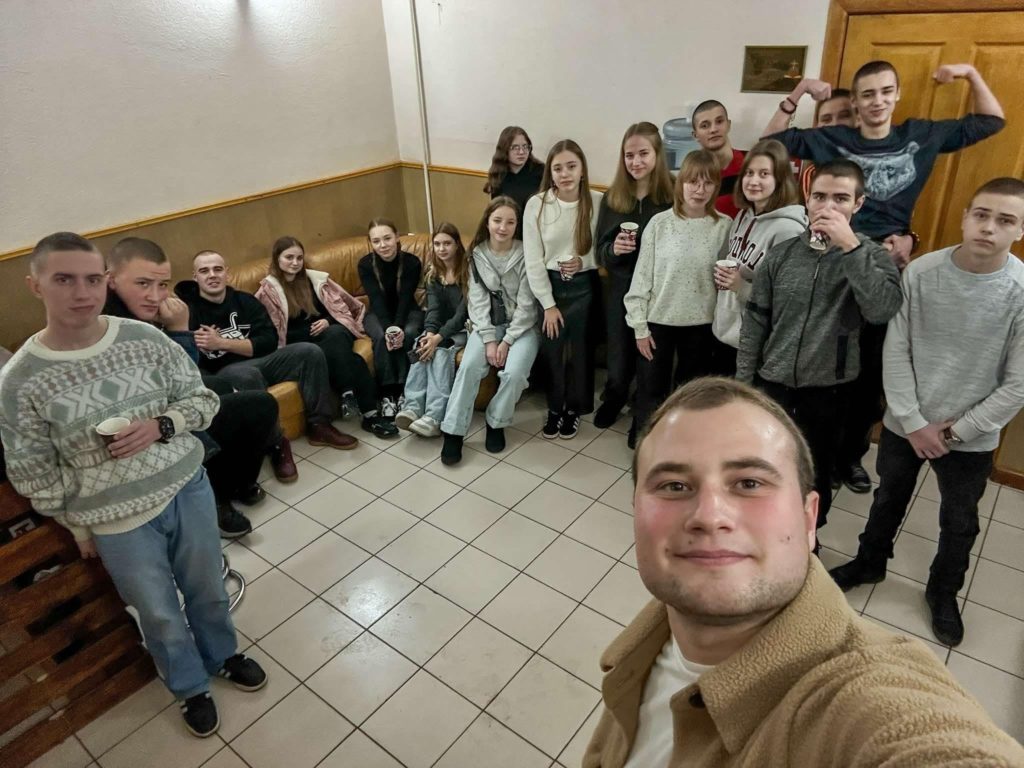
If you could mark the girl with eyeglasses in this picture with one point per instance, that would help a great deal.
(515, 171)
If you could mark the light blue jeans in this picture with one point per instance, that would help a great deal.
(429, 385)
(512, 380)
(180, 545)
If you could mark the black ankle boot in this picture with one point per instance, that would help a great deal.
(495, 442)
(451, 451)
(856, 572)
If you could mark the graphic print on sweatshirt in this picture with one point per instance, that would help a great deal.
(234, 331)
(746, 251)
(888, 174)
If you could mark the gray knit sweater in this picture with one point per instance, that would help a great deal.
(801, 327)
(51, 402)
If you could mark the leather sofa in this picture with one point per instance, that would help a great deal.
(340, 259)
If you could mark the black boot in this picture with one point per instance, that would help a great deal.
(495, 442)
(856, 572)
(947, 624)
(231, 522)
(451, 451)
(607, 414)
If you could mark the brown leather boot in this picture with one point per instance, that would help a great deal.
(326, 434)
(284, 465)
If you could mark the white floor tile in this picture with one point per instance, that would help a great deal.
(857, 503)
(68, 754)
(466, 515)
(421, 550)
(282, 537)
(335, 502)
(381, 473)
(340, 462)
(473, 465)
(421, 624)
(504, 749)
(540, 457)
(312, 478)
(310, 638)
(299, 732)
(125, 717)
(422, 493)
(245, 561)
(900, 602)
(611, 448)
(913, 557)
(240, 709)
(586, 434)
(994, 638)
(587, 476)
(620, 495)
(376, 525)
(471, 579)
(417, 450)
(1001, 694)
(361, 677)
(1005, 544)
(604, 528)
(620, 595)
(370, 591)
(528, 611)
(324, 562)
(941, 651)
(515, 539)
(553, 505)
(544, 704)
(572, 755)
(359, 751)
(421, 721)
(513, 439)
(578, 644)
(163, 742)
(264, 511)
(479, 661)
(268, 601)
(226, 758)
(998, 587)
(504, 484)
(570, 567)
(923, 520)
(1009, 507)
(841, 531)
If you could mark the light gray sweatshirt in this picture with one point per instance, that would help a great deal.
(955, 350)
(505, 272)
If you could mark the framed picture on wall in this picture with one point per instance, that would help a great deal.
(772, 68)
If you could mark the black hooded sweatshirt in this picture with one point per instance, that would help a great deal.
(239, 316)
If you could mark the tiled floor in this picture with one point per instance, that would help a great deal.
(412, 614)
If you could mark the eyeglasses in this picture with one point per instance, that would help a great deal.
(520, 148)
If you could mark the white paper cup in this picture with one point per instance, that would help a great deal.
(108, 429)
(563, 262)
(727, 264)
(630, 228)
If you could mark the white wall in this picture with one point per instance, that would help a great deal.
(586, 69)
(113, 111)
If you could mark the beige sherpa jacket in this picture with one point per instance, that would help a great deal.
(817, 687)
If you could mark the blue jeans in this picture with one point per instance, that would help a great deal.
(512, 380)
(429, 385)
(180, 545)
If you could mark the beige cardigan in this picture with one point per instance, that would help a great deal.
(818, 686)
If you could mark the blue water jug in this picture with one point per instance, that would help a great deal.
(677, 136)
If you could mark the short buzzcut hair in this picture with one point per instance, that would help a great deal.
(837, 93)
(58, 241)
(1003, 185)
(706, 106)
(206, 252)
(874, 68)
(715, 391)
(843, 169)
(131, 248)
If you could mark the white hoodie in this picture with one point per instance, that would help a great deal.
(750, 238)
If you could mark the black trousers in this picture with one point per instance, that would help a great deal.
(392, 367)
(620, 351)
(245, 427)
(866, 399)
(814, 410)
(961, 476)
(681, 353)
(346, 369)
(568, 358)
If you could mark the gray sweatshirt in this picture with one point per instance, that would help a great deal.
(801, 327)
(505, 272)
(955, 350)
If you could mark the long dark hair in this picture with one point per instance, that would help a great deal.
(483, 234)
(299, 291)
(434, 271)
(583, 237)
(499, 163)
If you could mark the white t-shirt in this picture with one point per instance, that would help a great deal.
(670, 674)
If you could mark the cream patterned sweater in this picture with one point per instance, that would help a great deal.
(51, 402)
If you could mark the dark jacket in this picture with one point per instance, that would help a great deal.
(521, 187)
(117, 308)
(446, 310)
(391, 302)
(801, 327)
(239, 316)
(608, 223)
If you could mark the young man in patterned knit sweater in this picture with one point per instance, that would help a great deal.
(142, 503)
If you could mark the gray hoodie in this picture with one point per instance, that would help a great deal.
(801, 327)
(750, 238)
(507, 273)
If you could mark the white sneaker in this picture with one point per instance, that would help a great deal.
(405, 418)
(388, 408)
(425, 427)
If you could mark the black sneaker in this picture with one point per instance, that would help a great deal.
(495, 442)
(254, 494)
(857, 479)
(244, 672)
(570, 425)
(947, 625)
(607, 414)
(856, 572)
(200, 714)
(451, 451)
(231, 522)
(552, 425)
(379, 426)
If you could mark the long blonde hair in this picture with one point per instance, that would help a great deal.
(436, 270)
(697, 164)
(583, 237)
(298, 292)
(621, 195)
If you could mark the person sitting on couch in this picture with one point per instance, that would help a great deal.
(237, 343)
(306, 305)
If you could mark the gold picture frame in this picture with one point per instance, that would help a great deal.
(772, 68)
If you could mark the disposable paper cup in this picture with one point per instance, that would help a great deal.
(563, 261)
(727, 264)
(107, 430)
(630, 228)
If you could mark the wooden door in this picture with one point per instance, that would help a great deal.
(917, 43)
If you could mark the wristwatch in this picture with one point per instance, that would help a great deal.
(166, 425)
(951, 437)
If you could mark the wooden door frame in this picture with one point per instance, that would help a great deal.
(840, 11)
